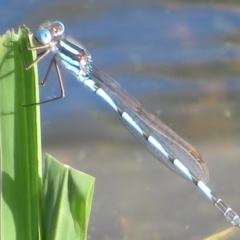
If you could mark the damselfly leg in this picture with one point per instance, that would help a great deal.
(47, 48)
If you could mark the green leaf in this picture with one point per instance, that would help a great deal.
(68, 195)
(62, 211)
(20, 145)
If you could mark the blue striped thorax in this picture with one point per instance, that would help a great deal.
(71, 54)
(75, 58)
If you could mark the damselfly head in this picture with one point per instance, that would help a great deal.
(57, 28)
(49, 31)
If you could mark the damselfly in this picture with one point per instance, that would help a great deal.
(161, 141)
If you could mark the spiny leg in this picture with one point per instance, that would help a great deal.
(40, 56)
(60, 81)
(59, 75)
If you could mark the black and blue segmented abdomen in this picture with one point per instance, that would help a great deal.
(174, 145)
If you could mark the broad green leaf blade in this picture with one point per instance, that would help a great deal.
(20, 142)
(68, 197)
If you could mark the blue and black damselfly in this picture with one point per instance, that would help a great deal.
(160, 140)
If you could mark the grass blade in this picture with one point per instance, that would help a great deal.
(68, 196)
(20, 145)
(67, 193)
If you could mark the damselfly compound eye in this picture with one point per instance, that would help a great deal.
(44, 36)
(57, 28)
